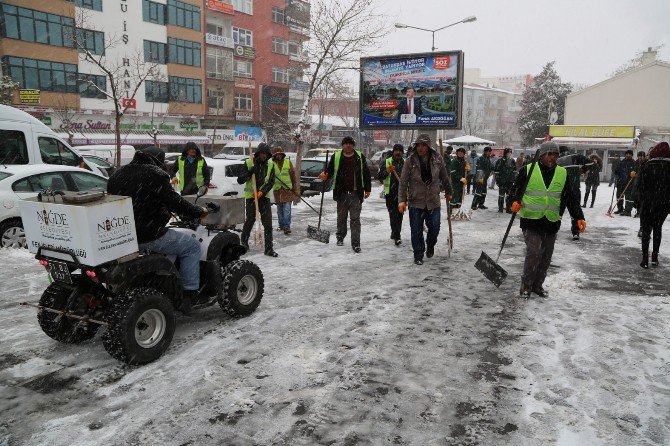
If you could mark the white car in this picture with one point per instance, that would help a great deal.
(26, 181)
(224, 177)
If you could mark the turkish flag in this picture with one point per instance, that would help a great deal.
(128, 103)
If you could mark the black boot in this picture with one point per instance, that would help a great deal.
(645, 253)
(586, 198)
(501, 204)
(654, 259)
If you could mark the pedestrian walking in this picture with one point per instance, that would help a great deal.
(389, 174)
(422, 177)
(520, 161)
(484, 169)
(285, 189)
(548, 191)
(575, 163)
(190, 171)
(624, 174)
(654, 196)
(458, 171)
(616, 159)
(492, 178)
(264, 173)
(472, 162)
(592, 178)
(504, 170)
(641, 160)
(351, 185)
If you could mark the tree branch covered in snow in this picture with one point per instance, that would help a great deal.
(638, 60)
(7, 87)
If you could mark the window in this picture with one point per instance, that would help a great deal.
(153, 12)
(183, 14)
(278, 15)
(41, 74)
(36, 183)
(86, 90)
(55, 152)
(242, 68)
(95, 5)
(13, 149)
(295, 106)
(280, 75)
(36, 26)
(294, 48)
(279, 45)
(4, 175)
(86, 181)
(243, 36)
(243, 101)
(245, 6)
(219, 64)
(215, 98)
(154, 52)
(217, 30)
(94, 41)
(184, 52)
(183, 89)
(156, 91)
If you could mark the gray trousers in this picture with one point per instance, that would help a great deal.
(349, 205)
(539, 249)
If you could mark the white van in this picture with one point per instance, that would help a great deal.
(25, 140)
(108, 152)
(237, 150)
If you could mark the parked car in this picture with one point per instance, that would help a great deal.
(237, 150)
(20, 182)
(320, 152)
(310, 168)
(108, 152)
(105, 167)
(224, 177)
(24, 140)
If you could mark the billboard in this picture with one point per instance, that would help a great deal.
(274, 104)
(412, 91)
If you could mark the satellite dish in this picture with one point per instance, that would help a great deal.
(553, 118)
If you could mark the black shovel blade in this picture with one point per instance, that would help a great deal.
(318, 234)
(491, 270)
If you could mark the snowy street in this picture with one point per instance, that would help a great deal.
(362, 349)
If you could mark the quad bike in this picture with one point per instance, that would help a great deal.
(134, 297)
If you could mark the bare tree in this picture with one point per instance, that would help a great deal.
(638, 60)
(66, 115)
(472, 122)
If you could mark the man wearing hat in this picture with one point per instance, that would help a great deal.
(423, 175)
(549, 190)
(351, 185)
(264, 172)
(154, 200)
(458, 168)
(284, 188)
(484, 169)
(389, 175)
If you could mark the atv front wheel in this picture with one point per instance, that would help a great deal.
(142, 323)
(57, 326)
(242, 289)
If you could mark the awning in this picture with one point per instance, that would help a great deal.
(591, 142)
(469, 139)
(163, 137)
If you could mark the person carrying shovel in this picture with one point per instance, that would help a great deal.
(284, 188)
(390, 176)
(423, 174)
(262, 169)
(548, 191)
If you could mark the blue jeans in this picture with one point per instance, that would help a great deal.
(187, 250)
(417, 217)
(284, 214)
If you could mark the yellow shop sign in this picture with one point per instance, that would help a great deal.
(593, 131)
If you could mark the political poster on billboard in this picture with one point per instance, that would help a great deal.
(412, 91)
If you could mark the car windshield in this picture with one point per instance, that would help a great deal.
(311, 167)
(13, 149)
(233, 151)
(4, 175)
(97, 161)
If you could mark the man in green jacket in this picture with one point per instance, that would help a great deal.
(484, 169)
(388, 174)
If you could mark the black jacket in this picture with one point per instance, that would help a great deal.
(593, 173)
(623, 170)
(569, 199)
(381, 176)
(654, 184)
(360, 188)
(574, 163)
(154, 199)
(190, 170)
(260, 170)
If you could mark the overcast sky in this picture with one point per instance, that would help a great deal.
(588, 39)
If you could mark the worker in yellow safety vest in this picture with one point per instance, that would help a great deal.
(285, 189)
(190, 171)
(389, 173)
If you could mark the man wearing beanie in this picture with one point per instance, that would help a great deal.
(389, 174)
(423, 175)
(484, 169)
(549, 190)
(351, 185)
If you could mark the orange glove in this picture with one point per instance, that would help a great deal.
(633, 174)
(390, 168)
(448, 198)
(402, 207)
(481, 181)
(467, 167)
(581, 224)
(259, 195)
(323, 176)
(175, 180)
(464, 181)
(516, 207)
(367, 194)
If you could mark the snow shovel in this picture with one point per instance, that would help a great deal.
(296, 196)
(317, 233)
(491, 270)
(609, 211)
(451, 234)
(258, 235)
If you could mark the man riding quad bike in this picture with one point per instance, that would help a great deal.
(134, 298)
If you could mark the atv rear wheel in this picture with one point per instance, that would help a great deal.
(242, 289)
(57, 326)
(142, 323)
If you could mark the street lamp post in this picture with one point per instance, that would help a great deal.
(433, 31)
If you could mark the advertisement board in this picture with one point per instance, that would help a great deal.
(297, 13)
(274, 103)
(246, 133)
(412, 91)
(593, 131)
(220, 6)
(29, 96)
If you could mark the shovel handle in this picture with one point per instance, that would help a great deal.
(323, 192)
(297, 196)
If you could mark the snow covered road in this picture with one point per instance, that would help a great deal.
(350, 349)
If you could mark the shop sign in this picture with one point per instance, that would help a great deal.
(215, 39)
(90, 124)
(299, 85)
(220, 6)
(147, 126)
(46, 120)
(245, 133)
(297, 13)
(220, 135)
(188, 125)
(29, 96)
(248, 52)
(244, 116)
(274, 103)
(245, 83)
(593, 131)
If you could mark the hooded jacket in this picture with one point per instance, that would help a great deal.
(654, 180)
(593, 171)
(189, 186)
(260, 170)
(153, 197)
(414, 191)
